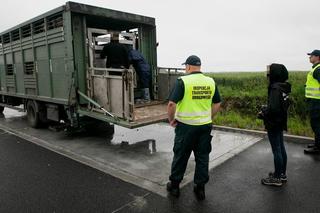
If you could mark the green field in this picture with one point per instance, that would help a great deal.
(244, 92)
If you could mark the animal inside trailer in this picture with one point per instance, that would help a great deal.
(51, 64)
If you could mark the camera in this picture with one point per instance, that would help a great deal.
(262, 112)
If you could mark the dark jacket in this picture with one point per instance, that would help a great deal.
(141, 66)
(117, 55)
(138, 62)
(275, 113)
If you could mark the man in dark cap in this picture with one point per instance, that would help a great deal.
(116, 53)
(312, 93)
(192, 105)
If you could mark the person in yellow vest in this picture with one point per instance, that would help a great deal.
(193, 103)
(312, 93)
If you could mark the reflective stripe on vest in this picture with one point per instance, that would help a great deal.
(312, 85)
(189, 114)
(195, 107)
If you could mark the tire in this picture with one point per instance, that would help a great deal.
(32, 115)
(42, 112)
(1, 109)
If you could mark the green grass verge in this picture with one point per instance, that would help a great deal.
(244, 92)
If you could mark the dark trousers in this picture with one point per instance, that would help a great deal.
(315, 125)
(144, 78)
(279, 152)
(187, 139)
(314, 110)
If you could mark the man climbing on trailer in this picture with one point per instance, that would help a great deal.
(116, 53)
(142, 68)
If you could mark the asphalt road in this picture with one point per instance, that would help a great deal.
(34, 179)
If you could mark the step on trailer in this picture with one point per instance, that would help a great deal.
(51, 65)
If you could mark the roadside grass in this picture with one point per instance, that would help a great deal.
(244, 92)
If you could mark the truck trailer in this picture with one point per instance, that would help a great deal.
(51, 66)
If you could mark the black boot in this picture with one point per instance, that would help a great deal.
(311, 145)
(314, 150)
(173, 188)
(199, 192)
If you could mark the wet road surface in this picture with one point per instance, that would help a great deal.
(35, 179)
(140, 156)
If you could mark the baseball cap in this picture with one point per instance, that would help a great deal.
(315, 53)
(193, 60)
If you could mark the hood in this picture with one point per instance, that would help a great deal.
(278, 73)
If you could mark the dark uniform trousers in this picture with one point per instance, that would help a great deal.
(314, 108)
(315, 125)
(190, 138)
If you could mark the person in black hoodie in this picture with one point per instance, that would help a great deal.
(274, 115)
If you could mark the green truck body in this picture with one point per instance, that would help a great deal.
(50, 65)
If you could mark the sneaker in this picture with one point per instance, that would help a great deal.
(271, 181)
(146, 101)
(199, 192)
(173, 190)
(146, 93)
(283, 177)
(314, 150)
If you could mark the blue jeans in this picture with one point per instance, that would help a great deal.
(279, 152)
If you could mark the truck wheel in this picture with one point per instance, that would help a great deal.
(42, 112)
(33, 115)
(1, 109)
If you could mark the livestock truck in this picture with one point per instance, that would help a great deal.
(51, 66)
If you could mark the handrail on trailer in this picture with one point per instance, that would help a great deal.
(97, 105)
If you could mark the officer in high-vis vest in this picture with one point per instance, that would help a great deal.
(192, 105)
(312, 93)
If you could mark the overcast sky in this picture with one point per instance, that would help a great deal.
(229, 35)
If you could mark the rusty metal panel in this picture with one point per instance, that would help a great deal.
(155, 113)
(150, 112)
